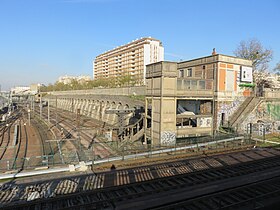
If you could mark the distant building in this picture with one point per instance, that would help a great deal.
(26, 90)
(68, 79)
(272, 80)
(34, 88)
(20, 90)
(129, 60)
(194, 98)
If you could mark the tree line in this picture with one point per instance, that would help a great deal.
(74, 84)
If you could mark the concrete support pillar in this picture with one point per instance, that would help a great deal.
(86, 108)
(111, 117)
(97, 109)
(115, 116)
(129, 115)
(59, 103)
(80, 101)
(76, 101)
(107, 116)
(83, 106)
(66, 102)
(62, 103)
(71, 105)
(102, 110)
(91, 107)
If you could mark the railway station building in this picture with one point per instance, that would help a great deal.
(195, 97)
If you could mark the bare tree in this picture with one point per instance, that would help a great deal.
(254, 51)
(277, 68)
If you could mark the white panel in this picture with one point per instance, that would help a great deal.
(246, 74)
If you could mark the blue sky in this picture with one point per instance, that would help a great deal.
(41, 40)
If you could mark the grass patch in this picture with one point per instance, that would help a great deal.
(137, 97)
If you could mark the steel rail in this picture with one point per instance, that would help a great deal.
(109, 195)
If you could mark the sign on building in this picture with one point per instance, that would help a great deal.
(246, 74)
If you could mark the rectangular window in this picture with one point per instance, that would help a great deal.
(194, 85)
(201, 85)
(189, 72)
(187, 84)
(181, 73)
(179, 84)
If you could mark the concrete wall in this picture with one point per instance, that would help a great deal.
(228, 107)
(124, 91)
(91, 107)
(268, 113)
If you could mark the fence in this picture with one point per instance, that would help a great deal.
(188, 147)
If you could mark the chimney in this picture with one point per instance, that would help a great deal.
(214, 51)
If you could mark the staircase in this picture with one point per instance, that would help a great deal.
(136, 131)
(244, 110)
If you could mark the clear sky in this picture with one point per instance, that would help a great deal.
(41, 40)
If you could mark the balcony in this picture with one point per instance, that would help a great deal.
(195, 87)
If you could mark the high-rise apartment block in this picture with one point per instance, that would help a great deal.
(129, 60)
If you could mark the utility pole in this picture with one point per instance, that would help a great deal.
(49, 111)
(40, 106)
(56, 111)
(78, 127)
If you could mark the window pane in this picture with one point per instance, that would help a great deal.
(201, 85)
(187, 84)
(179, 84)
(194, 85)
(189, 73)
(181, 73)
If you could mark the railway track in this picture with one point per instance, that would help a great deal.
(6, 126)
(105, 190)
(44, 135)
(13, 154)
(6, 133)
(258, 195)
(23, 145)
(70, 129)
